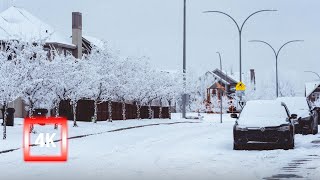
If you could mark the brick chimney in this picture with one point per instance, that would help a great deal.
(253, 78)
(77, 34)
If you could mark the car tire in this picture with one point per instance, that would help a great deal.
(237, 147)
(314, 128)
(289, 145)
(292, 144)
(315, 131)
(317, 128)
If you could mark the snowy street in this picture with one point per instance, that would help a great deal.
(196, 149)
(159, 90)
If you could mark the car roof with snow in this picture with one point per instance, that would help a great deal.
(296, 105)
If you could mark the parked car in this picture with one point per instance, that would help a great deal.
(317, 109)
(315, 106)
(264, 121)
(307, 121)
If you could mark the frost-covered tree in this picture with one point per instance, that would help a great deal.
(78, 84)
(20, 62)
(44, 78)
(60, 65)
(102, 67)
(10, 78)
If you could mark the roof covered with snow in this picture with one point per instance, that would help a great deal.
(224, 77)
(311, 86)
(94, 41)
(19, 24)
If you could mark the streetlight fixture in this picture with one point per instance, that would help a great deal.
(313, 73)
(240, 28)
(276, 53)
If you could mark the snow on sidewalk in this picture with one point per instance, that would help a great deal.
(15, 134)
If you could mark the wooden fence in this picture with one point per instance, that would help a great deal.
(85, 111)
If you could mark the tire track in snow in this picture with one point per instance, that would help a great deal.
(104, 132)
(298, 166)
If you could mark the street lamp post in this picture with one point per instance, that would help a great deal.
(313, 73)
(240, 28)
(276, 53)
(220, 89)
(220, 61)
(184, 96)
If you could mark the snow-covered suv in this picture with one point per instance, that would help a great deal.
(264, 121)
(307, 121)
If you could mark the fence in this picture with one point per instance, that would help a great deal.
(85, 111)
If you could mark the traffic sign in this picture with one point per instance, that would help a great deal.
(240, 87)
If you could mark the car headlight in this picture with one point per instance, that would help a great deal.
(284, 128)
(239, 128)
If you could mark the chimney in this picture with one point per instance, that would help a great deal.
(77, 34)
(253, 78)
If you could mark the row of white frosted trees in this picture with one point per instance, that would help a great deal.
(45, 78)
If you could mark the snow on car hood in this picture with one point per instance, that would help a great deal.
(260, 121)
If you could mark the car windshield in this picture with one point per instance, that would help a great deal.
(263, 109)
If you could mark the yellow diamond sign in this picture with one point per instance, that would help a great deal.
(240, 87)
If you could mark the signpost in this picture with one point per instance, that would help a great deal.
(240, 86)
(240, 92)
(221, 91)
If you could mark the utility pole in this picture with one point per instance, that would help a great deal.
(184, 96)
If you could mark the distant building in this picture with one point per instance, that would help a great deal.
(224, 84)
(222, 81)
(19, 24)
(312, 91)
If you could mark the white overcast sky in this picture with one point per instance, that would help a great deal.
(154, 28)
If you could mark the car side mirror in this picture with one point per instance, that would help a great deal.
(293, 116)
(235, 116)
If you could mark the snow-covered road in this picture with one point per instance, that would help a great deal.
(177, 151)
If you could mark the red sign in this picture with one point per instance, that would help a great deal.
(43, 121)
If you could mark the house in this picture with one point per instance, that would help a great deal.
(224, 84)
(312, 91)
(18, 24)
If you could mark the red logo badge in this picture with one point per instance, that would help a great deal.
(45, 139)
